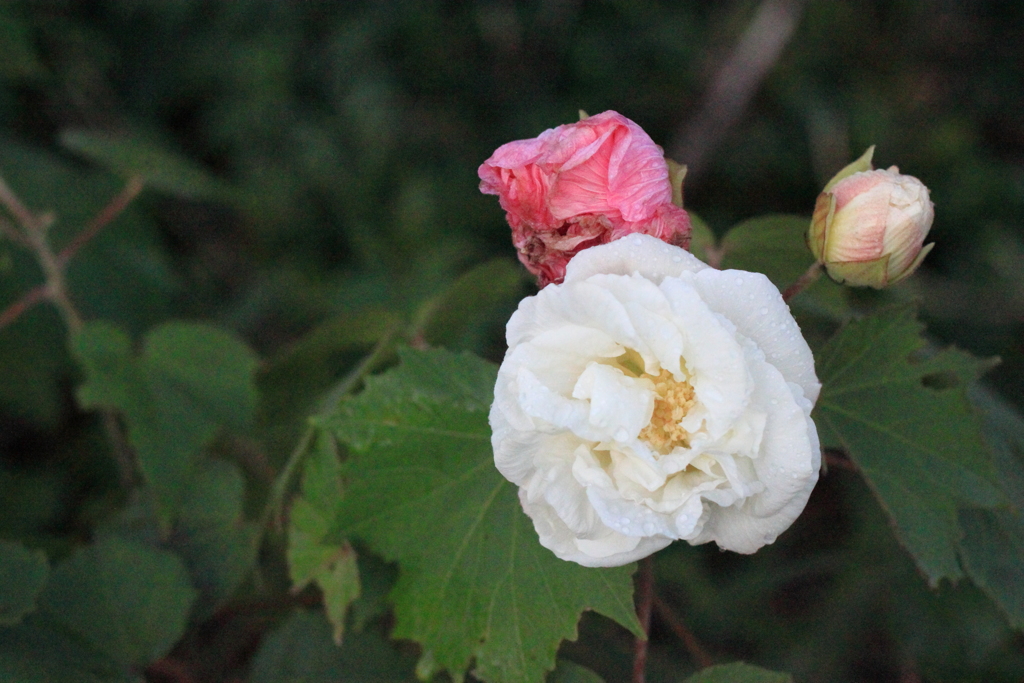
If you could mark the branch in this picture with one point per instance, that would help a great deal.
(31, 298)
(26, 218)
(693, 646)
(34, 237)
(282, 485)
(112, 210)
(809, 277)
(8, 230)
(645, 596)
(736, 82)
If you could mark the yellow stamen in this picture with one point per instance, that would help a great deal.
(673, 400)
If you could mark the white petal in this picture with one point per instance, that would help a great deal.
(787, 465)
(642, 254)
(566, 420)
(548, 406)
(559, 355)
(755, 306)
(713, 357)
(609, 549)
(620, 406)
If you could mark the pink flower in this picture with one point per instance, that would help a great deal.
(579, 185)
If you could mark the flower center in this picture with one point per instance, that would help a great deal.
(673, 400)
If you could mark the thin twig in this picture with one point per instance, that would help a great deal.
(809, 277)
(8, 230)
(283, 483)
(363, 368)
(693, 646)
(26, 218)
(35, 232)
(112, 210)
(31, 298)
(645, 597)
(35, 238)
(736, 82)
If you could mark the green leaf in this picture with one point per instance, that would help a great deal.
(738, 673)
(475, 583)
(774, 245)
(312, 364)
(570, 672)
(212, 536)
(159, 167)
(913, 435)
(1004, 433)
(332, 566)
(293, 382)
(189, 380)
(301, 651)
(992, 547)
(485, 295)
(22, 575)
(122, 598)
(37, 652)
(122, 274)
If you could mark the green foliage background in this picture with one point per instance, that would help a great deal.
(311, 188)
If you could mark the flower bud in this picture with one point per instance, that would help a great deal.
(869, 225)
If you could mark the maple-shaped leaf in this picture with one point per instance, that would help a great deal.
(903, 416)
(332, 566)
(475, 584)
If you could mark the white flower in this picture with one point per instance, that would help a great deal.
(651, 398)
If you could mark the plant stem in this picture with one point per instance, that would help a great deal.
(20, 212)
(284, 480)
(363, 368)
(693, 646)
(34, 236)
(803, 282)
(112, 210)
(645, 598)
(8, 230)
(283, 483)
(31, 298)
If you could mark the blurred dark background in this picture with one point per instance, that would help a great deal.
(333, 148)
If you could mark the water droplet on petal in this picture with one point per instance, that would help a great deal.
(677, 259)
(621, 435)
(739, 282)
(764, 311)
